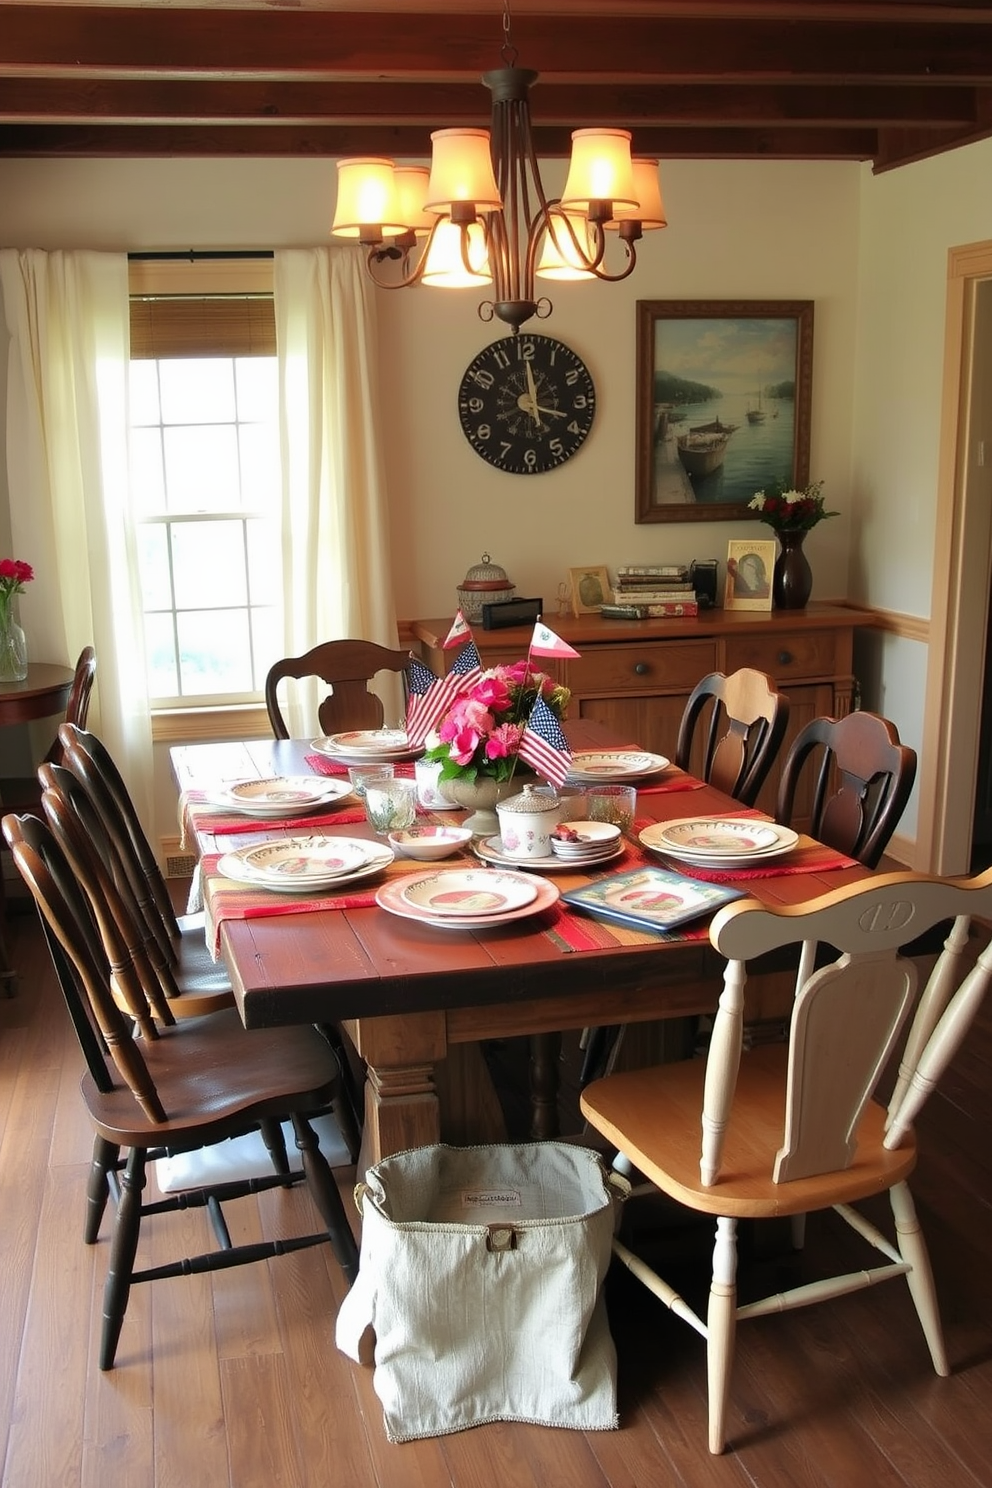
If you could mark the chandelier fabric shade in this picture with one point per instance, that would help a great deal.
(480, 215)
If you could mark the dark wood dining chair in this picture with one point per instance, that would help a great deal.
(153, 1085)
(796, 1129)
(347, 667)
(744, 717)
(864, 777)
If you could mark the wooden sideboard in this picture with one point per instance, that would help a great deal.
(636, 675)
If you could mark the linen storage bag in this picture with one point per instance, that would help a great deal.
(481, 1274)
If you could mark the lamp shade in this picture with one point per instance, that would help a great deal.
(650, 211)
(366, 199)
(445, 265)
(560, 258)
(600, 169)
(461, 171)
(411, 193)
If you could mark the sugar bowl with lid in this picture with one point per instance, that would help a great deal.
(526, 822)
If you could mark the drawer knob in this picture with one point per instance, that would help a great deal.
(784, 658)
(641, 669)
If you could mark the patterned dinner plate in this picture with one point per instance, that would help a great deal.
(474, 891)
(620, 764)
(307, 860)
(715, 837)
(283, 795)
(232, 866)
(375, 747)
(390, 897)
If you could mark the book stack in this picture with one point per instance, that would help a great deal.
(646, 591)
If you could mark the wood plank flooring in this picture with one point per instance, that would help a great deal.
(233, 1379)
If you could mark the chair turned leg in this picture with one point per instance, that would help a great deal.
(123, 1247)
(320, 1181)
(920, 1278)
(102, 1164)
(721, 1324)
(348, 1109)
(275, 1146)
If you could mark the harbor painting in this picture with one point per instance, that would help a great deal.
(724, 390)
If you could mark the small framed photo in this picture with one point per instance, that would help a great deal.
(750, 566)
(590, 589)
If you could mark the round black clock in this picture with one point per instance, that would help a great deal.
(526, 403)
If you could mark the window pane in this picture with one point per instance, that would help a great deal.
(261, 477)
(214, 652)
(143, 389)
(160, 648)
(153, 568)
(264, 563)
(208, 560)
(197, 391)
(147, 474)
(266, 627)
(201, 468)
(257, 386)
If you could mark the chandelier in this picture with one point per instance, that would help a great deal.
(480, 215)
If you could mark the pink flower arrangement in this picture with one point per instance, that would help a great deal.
(480, 733)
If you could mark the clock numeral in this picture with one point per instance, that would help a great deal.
(530, 458)
(484, 431)
(556, 447)
(574, 427)
(579, 401)
(504, 450)
(572, 377)
(525, 350)
(482, 378)
(500, 357)
(475, 405)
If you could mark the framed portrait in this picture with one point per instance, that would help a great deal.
(590, 588)
(750, 566)
(724, 391)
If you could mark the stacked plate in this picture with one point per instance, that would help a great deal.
(619, 764)
(367, 746)
(490, 850)
(581, 842)
(305, 865)
(469, 899)
(282, 795)
(719, 842)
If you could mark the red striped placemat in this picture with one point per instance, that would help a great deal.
(321, 764)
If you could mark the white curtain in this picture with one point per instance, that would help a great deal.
(67, 467)
(336, 571)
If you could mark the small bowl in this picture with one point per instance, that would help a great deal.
(429, 843)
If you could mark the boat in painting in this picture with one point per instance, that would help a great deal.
(703, 447)
(757, 414)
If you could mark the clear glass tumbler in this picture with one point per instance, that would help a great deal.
(361, 776)
(613, 803)
(391, 805)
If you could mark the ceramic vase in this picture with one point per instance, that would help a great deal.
(479, 796)
(792, 581)
(13, 649)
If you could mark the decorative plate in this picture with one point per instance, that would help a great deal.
(714, 837)
(474, 891)
(303, 860)
(490, 850)
(390, 897)
(282, 795)
(370, 741)
(372, 754)
(620, 764)
(232, 866)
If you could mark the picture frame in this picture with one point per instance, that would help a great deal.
(723, 405)
(590, 588)
(750, 568)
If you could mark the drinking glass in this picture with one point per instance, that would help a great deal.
(391, 805)
(613, 803)
(361, 776)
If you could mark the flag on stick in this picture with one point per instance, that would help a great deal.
(426, 708)
(419, 703)
(460, 631)
(543, 745)
(546, 643)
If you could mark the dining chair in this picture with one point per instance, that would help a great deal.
(744, 717)
(798, 1128)
(864, 777)
(23, 792)
(347, 667)
(154, 1085)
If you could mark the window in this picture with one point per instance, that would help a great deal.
(205, 488)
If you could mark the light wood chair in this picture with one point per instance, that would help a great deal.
(347, 667)
(154, 1085)
(785, 1130)
(745, 718)
(864, 777)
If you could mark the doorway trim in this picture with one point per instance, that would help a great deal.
(957, 645)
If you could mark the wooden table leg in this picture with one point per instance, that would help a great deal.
(545, 1062)
(401, 1100)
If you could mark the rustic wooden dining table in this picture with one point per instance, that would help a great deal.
(407, 994)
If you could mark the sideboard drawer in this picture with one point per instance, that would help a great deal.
(806, 653)
(642, 667)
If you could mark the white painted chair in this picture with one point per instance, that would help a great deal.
(792, 1129)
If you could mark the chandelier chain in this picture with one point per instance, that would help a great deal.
(508, 52)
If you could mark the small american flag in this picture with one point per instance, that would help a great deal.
(543, 744)
(431, 696)
(419, 703)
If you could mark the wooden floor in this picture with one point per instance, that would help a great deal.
(234, 1379)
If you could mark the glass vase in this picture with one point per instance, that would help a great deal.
(13, 650)
(792, 581)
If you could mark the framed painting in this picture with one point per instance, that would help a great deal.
(724, 392)
(750, 568)
(590, 588)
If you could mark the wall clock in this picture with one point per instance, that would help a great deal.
(526, 403)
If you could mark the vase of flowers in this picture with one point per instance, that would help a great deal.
(791, 514)
(477, 741)
(13, 646)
